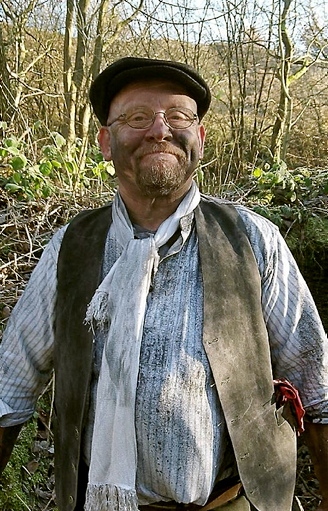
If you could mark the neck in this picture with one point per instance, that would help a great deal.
(149, 212)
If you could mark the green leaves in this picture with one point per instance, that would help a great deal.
(53, 169)
(279, 185)
(58, 139)
(18, 162)
(257, 172)
(46, 168)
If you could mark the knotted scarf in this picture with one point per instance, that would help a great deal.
(118, 307)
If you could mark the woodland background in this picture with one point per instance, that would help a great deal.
(267, 65)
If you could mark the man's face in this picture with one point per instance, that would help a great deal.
(157, 161)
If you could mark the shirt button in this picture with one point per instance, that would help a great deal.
(77, 433)
(71, 499)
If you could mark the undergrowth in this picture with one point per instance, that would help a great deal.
(51, 168)
(27, 482)
(295, 200)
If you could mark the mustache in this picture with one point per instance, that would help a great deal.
(163, 147)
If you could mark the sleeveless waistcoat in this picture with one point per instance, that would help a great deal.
(234, 337)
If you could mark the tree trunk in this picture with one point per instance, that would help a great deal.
(280, 132)
(69, 86)
(6, 106)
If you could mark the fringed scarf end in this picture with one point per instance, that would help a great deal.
(97, 310)
(105, 497)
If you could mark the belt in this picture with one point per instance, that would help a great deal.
(214, 502)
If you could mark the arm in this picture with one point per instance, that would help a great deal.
(298, 341)
(8, 437)
(316, 438)
(26, 350)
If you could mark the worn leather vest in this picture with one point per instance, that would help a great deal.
(234, 337)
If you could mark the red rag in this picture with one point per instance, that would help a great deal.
(286, 392)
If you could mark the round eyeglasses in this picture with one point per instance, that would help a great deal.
(142, 118)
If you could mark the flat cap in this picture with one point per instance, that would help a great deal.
(131, 69)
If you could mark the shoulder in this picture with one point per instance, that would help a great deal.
(255, 224)
(89, 215)
(82, 219)
(89, 224)
(263, 235)
(52, 248)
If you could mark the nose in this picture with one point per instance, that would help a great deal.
(159, 130)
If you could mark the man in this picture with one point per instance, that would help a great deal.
(166, 316)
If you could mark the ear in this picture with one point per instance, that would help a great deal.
(201, 139)
(104, 143)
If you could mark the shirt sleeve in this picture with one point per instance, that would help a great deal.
(298, 342)
(26, 351)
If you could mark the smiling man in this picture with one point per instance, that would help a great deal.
(156, 145)
(167, 316)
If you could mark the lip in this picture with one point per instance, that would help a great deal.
(159, 152)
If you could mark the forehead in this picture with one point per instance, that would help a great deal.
(150, 92)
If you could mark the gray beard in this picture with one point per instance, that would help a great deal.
(161, 180)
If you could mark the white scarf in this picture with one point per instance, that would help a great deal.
(119, 304)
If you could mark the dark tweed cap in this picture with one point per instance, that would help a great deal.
(131, 69)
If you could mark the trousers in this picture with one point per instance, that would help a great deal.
(239, 504)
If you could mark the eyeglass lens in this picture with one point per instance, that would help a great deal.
(178, 118)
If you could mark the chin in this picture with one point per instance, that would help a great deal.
(160, 187)
(161, 181)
